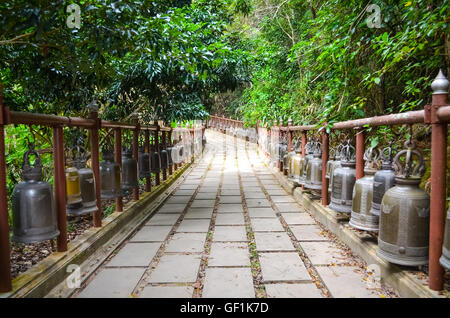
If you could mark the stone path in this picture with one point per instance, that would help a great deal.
(230, 230)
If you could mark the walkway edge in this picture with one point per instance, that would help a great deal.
(52, 272)
(403, 282)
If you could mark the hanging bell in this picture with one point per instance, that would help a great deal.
(383, 180)
(33, 204)
(129, 171)
(405, 212)
(144, 164)
(87, 183)
(295, 164)
(290, 160)
(313, 179)
(74, 204)
(109, 176)
(344, 179)
(333, 164)
(361, 218)
(164, 159)
(169, 155)
(304, 161)
(445, 258)
(155, 161)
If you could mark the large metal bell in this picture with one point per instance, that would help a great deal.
(445, 258)
(169, 155)
(304, 161)
(332, 164)
(155, 161)
(74, 204)
(144, 164)
(109, 176)
(87, 183)
(130, 179)
(313, 178)
(361, 218)
(164, 159)
(33, 204)
(405, 212)
(383, 180)
(344, 179)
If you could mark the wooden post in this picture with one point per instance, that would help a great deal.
(118, 159)
(148, 181)
(60, 187)
(136, 151)
(95, 158)
(158, 180)
(359, 153)
(325, 152)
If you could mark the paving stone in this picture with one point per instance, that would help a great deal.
(187, 225)
(231, 199)
(151, 234)
(226, 192)
(230, 208)
(206, 196)
(257, 203)
(266, 224)
(135, 254)
(203, 203)
(288, 207)
(282, 266)
(251, 189)
(282, 199)
(254, 195)
(246, 184)
(292, 291)
(205, 188)
(335, 277)
(298, 218)
(265, 175)
(279, 241)
(261, 213)
(323, 253)
(199, 213)
(272, 186)
(229, 254)
(228, 283)
(113, 283)
(276, 192)
(230, 186)
(269, 182)
(230, 219)
(188, 186)
(167, 292)
(169, 270)
(307, 233)
(172, 208)
(163, 219)
(230, 233)
(186, 242)
(179, 199)
(184, 192)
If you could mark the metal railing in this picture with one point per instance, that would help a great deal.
(437, 115)
(93, 125)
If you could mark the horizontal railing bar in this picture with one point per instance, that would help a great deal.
(443, 113)
(411, 117)
(16, 117)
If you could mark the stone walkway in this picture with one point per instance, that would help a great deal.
(230, 230)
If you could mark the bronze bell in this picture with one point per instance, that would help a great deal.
(74, 205)
(169, 155)
(383, 180)
(109, 176)
(144, 164)
(33, 204)
(129, 171)
(164, 159)
(344, 179)
(445, 258)
(405, 212)
(333, 163)
(304, 161)
(313, 178)
(155, 161)
(87, 183)
(291, 159)
(361, 218)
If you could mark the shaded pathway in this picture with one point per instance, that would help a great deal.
(230, 230)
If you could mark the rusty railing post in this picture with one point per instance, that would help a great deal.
(164, 146)
(60, 187)
(325, 152)
(5, 265)
(95, 162)
(280, 138)
(136, 149)
(169, 140)
(148, 181)
(304, 136)
(359, 153)
(439, 132)
(118, 159)
(158, 180)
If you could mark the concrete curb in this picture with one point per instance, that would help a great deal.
(359, 242)
(52, 272)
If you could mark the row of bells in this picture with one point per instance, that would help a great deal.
(387, 201)
(33, 203)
